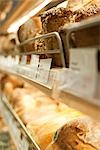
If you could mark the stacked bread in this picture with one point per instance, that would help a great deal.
(53, 20)
(52, 124)
(57, 19)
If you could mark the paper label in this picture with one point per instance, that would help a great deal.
(16, 60)
(23, 60)
(44, 70)
(78, 83)
(34, 65)
(83, 60)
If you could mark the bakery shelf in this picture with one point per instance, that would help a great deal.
(90, 107)
(81, 103)
(21, 136)
(43, 87)
(87, 105)
(16, 50)
(15, 70)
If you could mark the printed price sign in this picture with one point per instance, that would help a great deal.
(16, 60)
(84, 60)
(44, 70)
(34, 65)
(78, 83)
(23, 60)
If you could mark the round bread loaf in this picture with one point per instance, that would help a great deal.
(27, 31)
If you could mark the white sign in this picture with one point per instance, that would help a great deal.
(23, 60)
(44, 70)
(84, 60)
(34, 65)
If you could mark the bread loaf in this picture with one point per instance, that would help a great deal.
(43, 129)
(27, 31)
(83, 37)
(80, 134)
(52, 20)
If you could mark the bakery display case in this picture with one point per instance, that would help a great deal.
(50, 76)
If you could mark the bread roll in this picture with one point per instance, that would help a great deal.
(79, 134)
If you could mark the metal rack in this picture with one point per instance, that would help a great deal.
(45, 36)
(14, 53)
(69, 97)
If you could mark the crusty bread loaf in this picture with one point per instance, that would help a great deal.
(92, 34)
(55, 18)
(27, 31)
(87, 11)
(52, 20)
(80, 134)
(84, 37)
(43, 129)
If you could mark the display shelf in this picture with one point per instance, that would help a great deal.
(87, 105)
(43, 87)
(16, 50)
(19, 133)
(90, 107)
(25, 71)
(82, 84)
(69, 98)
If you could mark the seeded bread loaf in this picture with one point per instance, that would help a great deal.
(52, 20)
(84, 37)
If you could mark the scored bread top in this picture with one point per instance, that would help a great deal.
(55, 12)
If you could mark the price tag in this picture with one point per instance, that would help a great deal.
(44, 70)
(9, 61)
(84, 60)
(2, 60)
(78, 83)
(23, 60)
(52, 77)
(16, 60)
(34, 65)
(34, 60)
